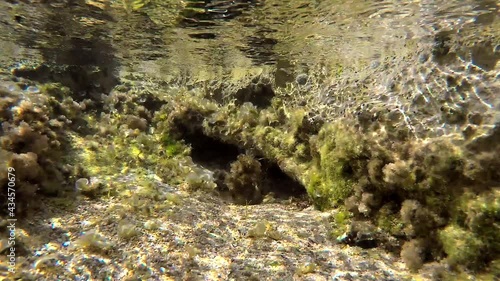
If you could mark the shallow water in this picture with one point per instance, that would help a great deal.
(422, 68)
(227, 33)
(381, 45)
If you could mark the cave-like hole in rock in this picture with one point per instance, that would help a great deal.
(279, 183)
(217, 156)
(210, 152)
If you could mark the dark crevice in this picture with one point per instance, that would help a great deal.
(218, 156)
(259, 94)
(278, 182)
(211, 153)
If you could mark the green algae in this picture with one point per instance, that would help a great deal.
(333, 176)
(461, 246)
(408, 190)
(92, 241)
(473, 239)
(341, 221)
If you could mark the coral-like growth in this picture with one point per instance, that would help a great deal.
(244, 180)
(412, 254)
(35, 143)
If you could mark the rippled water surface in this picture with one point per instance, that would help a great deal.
(405, 52)
(229, 33)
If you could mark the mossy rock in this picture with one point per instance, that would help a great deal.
(341, 154)
(461, 246)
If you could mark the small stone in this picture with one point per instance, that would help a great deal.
(301, 79)
(55, 223)
(51, 247)
(32, 90)
(151, 225)
(308, 267)
(374, 64)
(259, 230)
(423, 58)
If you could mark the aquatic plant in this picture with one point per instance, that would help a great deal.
(244, 180)
(127, 230)
(412, 254)
(92, 241)
(333, 176)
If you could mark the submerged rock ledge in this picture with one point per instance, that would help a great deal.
(380, 169)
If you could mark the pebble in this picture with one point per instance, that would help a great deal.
(301, 79)
(12, 88)
(341, 276)
(51, 247)
(374, 64)
(55, 223)
(33, 90)
(423, 57)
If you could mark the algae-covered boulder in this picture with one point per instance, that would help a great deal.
(34, 141)
(473, 239)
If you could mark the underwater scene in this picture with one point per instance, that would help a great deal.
(274, 140)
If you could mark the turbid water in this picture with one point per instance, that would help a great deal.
(250, 140)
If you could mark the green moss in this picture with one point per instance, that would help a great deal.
(460, 245)
(340, 222)
(92, 241)
(481, 214)
(389, 221)
(172, 149)
(127, 230)
(333, 178)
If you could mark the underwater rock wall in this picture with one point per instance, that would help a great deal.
(409, 145)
